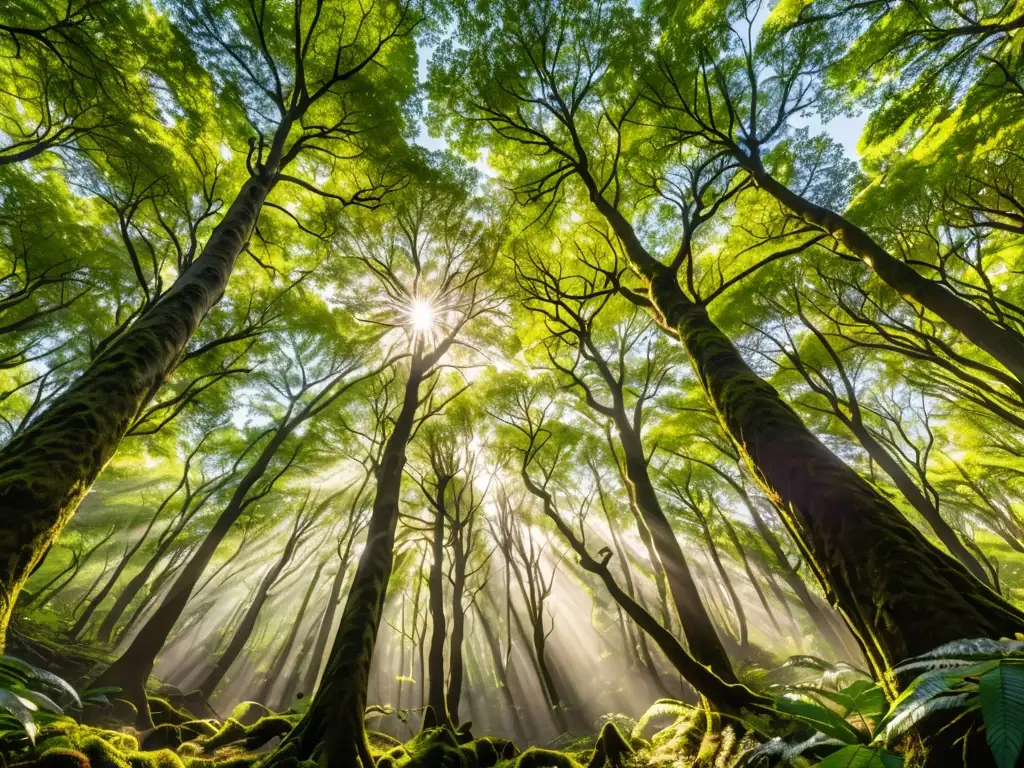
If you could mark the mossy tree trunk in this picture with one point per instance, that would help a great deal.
(332, 731)
(899, 594)
(47, 469)
(1002, 343)
(438, 628)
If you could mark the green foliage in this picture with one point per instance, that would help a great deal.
(26, 703)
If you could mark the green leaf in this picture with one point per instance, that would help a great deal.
(48, 679)
(1002, 709)
(928, 693)
(819, 717)
(861, 757)
(21, 710)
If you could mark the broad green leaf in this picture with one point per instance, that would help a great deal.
(1001, 692)
(819, 717)
(926, 694)
(861, 757)
(21, 709)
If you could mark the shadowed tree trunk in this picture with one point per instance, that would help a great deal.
(660, 580)
(71, 568)
(46, 469)
(332, 729)
(173, 565)
(303, 522)
(438, 628)
(131, 670)
(741, 552)
(282, 656)
(316, 657)
(501, 673)
(455, 664)
(571, 317)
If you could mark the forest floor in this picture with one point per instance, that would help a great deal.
(190, 734)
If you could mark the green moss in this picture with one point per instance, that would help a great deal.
(248, 712)
(57, 757)
(161, 758)
(536, 757)
(240, 761)
(611, 750)
(54, 742)
(189, 749)
(163, 737)
(381, 743)
(196, 728)
(394, 757)
(487, 752)
(122, 741)
(102, 754)
(248, 736)
(164, 712)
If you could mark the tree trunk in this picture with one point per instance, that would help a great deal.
(245, 627)
(133, 667)
(47, 469)
(501, 673)
(1003, 344)
(324, 634)
(716, 559)
(724, 695)
(72, 567)
(901, 595)
(277, 668)
(173, 565)
(95, 583)
(332, 731)
(660, 580)
(455, 665)
(730, 531)
(438, 631)
(135, 585)
(639, 643)
(95, 603)
(700, 634)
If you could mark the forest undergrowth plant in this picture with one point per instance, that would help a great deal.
(31, 698)
(855, 725)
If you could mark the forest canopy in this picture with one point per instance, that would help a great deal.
(511, 382)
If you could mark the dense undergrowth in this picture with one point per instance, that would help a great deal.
(830, 715)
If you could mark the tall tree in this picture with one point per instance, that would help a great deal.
(303, 76)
